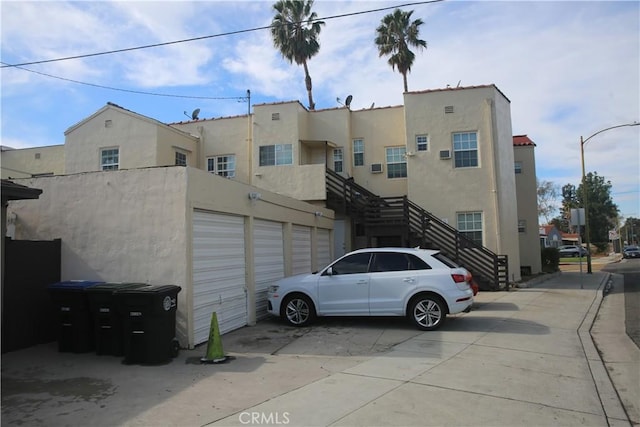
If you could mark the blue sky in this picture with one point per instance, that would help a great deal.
(570, 69)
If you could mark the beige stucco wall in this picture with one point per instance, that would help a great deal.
(221, 137)
(25, 162)
(135, 225)
(444, 190)
(528, 208)
(379, 128)
(142, 142)
(116, 226)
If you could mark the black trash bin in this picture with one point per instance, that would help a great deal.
(75, 326)
(149, 318)
(107, 320)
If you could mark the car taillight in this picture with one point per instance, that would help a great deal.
(459, 278)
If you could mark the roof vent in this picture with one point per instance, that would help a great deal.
(448, 109)
(275, 116)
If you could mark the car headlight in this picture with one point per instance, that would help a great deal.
(273, 289)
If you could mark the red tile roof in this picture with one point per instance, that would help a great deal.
(522, 141)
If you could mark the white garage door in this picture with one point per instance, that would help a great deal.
(301, 249)
(268, 251)
(324, 248)
(218, 273)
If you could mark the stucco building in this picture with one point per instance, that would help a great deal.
(442, 170)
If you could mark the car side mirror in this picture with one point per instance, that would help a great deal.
(328, 272)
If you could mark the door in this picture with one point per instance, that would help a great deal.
(394, 276)
(346, 290)
(301, 245)
(219, 283)
(268, 252)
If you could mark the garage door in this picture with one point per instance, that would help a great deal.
(301, 245)
(324, 248)
(268, 251)
(218, 273)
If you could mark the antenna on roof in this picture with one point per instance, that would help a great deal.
(347, 102)
(194, 114)
(372, 105)
(459, 81)
(339, 101)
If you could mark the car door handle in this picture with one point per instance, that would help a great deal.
(362, 282)
(408, 280)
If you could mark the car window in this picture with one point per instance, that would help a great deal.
(352, 264)
(391, 261)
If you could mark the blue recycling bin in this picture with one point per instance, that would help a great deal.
(149, 318)
(107, 320)
(75, 325)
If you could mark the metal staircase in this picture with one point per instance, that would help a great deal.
(400, 218)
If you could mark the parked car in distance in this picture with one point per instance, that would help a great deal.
(421, 284)
(571, 251)
(631, 252)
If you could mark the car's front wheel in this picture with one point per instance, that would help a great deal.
(298, 310)
(427, 312)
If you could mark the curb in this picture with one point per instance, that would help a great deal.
(611, 404)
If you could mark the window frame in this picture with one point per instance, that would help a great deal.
(358, 155)
(215, 162)
(338, 159)
(424, 144)
(471, 233)
(394, 156)
(180, 162)
(109, 166)
(463, 156)
(517, 165)
(278, 160)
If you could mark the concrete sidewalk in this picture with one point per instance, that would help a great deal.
(524, 357)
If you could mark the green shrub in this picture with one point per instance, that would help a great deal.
(550, 260)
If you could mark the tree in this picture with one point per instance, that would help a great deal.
(569, 201)
(602, 212)
(547, 196)
(295, 31)
(395, 35)
(630, 231)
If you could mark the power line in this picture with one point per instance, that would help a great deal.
(230, 33)
(238, 98)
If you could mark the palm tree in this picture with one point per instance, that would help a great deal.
(395, 35)
(295, 33)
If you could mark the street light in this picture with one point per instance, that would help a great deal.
(585, 192)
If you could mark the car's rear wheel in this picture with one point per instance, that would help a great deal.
(298, 310)
(427, 312)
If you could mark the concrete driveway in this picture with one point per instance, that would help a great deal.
(524, 357)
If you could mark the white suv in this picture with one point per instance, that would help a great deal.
(421, 284)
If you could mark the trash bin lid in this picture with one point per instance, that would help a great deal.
(155, 289)
(115, 286)
(74, 285)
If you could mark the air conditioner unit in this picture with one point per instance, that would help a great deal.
(445, 154)
(376, 167)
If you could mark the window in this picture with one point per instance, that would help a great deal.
(337, 159)
(222, 165)
(358, 152)
(273, 155)
(518, 167)
(422, 142)
(465, 149)
(391, 261)
(470, 226)
(109, 159)
(396, 162)
(522, 225)
(181, 159)
(352, 264)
